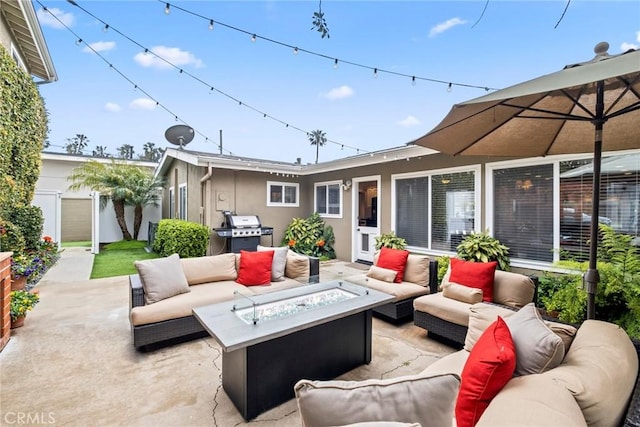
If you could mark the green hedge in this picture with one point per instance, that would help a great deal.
(30, 221)
(185, 238)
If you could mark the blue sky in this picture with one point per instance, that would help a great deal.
(442, 40)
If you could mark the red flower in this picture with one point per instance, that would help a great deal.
(47, 239)
(292, 243)
(320, 243)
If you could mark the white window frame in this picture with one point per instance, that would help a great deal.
(283, 185)
(477, 171)
(182, 200)
(315, 201)
(555, 161)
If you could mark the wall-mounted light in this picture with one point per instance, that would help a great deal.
(346, 185)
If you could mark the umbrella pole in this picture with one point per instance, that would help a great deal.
(592, 276)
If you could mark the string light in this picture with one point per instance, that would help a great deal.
(295, 50)
(167, 9)
(375, 73)
(181, 71)
(253, 38)
(106, 28)
(449, 88)
(355, 64)
(335, 64)
(78, 42)
(413, 81)
(210, 24)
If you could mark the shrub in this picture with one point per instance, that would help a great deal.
(390, 240)
(30, 221)
(185, 238)
(11, 238)
(481, 247)
(310, 236)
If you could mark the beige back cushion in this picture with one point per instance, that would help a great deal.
(481, 315)
(383, 274)
(600, 371)
(297, 266)
(417, 270)
(209, 268)
(161, 278)
(512, 289)
(426, 399)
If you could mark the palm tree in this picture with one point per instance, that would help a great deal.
(317, 138)
(121, 183)
(145, 190)
(126, 151)
(76, 144)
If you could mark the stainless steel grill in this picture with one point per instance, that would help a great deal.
(242, 231)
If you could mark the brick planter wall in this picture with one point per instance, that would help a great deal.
(5, 295)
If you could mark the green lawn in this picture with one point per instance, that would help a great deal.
(116, 259)
(76, 244)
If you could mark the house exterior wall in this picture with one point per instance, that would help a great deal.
(5, 35)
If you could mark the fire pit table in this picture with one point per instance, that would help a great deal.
(271, 341)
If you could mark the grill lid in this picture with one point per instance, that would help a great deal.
(244, 221)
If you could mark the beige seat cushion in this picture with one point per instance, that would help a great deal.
(162, 278)
(182, 305)
(417, 270)
(600, 371)
(532, 401)
(428, 400)
(512, 289)
(445, 308)
(400, 291)
(209, 268)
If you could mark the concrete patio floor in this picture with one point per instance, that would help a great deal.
(73, 362)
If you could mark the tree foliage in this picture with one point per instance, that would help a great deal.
(317, 138)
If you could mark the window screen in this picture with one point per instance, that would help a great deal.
(412, 210)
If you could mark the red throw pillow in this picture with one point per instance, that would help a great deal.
(475, 275)
(393, 259)
(489, 367)
(255, 268)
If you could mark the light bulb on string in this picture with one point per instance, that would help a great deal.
(375, 73)
(210, 24)
(335, 64)
(106, 28)
(264, 116)
(295, 50)
(167, 9)
(413, 81)
(450, 88)
(253, 38)
(78, 42)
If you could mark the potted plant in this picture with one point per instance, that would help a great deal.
(21, 268)
(390, 240)
(480, 247)
(21, 303)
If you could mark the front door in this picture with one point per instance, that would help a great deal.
(366, 216)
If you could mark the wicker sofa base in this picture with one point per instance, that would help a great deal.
(156, 333)
(443, 330)
(397, 310)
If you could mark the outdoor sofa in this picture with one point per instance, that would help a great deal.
(445, 313)
(420, 277)
(204, 280)
(593, 381)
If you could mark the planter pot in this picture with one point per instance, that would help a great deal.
(18, 283)
(19, 322)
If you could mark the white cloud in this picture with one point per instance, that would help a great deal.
(47, 20)
(638, 36)
(341, 92)
(446, 25)
(626, 46)
(142, 104)
(174, 55)
(99, 47)
(409, 121)
(113, 107)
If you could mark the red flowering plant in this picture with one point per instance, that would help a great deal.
(310, 236)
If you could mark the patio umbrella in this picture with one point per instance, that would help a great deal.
(558, 113)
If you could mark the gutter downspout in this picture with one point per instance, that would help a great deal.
(203, 192)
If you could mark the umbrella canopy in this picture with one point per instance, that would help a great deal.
(585, 107)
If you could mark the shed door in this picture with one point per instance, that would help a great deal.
(76, 220)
